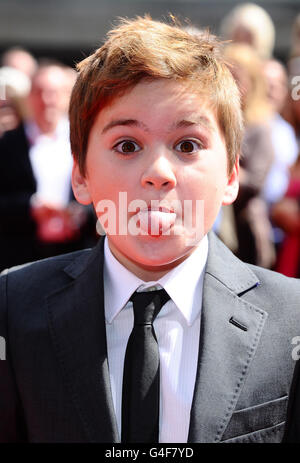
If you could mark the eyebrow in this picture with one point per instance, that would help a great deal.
(192, 121)
(126, 123)
(195, 120)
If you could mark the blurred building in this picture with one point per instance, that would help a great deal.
(70, 29)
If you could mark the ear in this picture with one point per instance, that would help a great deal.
(232, 187)
(80, 186)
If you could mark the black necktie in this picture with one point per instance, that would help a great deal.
(140, 397)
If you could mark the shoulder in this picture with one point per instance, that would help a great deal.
(257, 130)
(44, 267)
(257, 138)
(36, 278)
(275, 280)
(13, 138)
(264, 288)
(277, 294)
(257, 135)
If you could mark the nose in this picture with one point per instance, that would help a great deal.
(160, 174)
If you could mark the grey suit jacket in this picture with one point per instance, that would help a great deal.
(54, 383)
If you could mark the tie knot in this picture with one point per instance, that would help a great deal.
(147, 304)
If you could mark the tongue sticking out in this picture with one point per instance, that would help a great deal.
(156, 222)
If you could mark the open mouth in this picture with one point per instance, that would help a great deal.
(157, 221)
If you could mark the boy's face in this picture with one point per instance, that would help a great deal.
(158, 142)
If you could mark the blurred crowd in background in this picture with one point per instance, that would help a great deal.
(39, 216)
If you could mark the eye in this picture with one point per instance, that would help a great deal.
(188, 146)
(127, 146)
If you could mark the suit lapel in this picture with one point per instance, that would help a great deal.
(226, 348)
(77, 326)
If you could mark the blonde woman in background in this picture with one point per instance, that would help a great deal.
(251, 24)
(252, 224)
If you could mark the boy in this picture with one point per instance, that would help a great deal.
(155, 133)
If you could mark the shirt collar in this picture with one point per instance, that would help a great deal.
(184, 283)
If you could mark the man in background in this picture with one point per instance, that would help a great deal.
(37, 217)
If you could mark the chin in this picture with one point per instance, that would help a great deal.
(159, 251)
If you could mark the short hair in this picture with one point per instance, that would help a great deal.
(146, 49)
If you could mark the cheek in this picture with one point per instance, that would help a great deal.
(106, 184)
(103, 188)
(206, 182)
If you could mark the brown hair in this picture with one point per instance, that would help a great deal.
(145, 49)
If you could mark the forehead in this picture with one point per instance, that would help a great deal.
(49, 77)
(172, 98)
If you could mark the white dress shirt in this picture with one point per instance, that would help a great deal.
(51, 162)
(177, 328)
